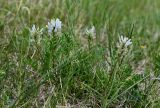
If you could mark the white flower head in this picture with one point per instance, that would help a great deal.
(55, 25)
(91, 32)
(124, 41)
(58, 25)
(35, 30)
(50, 27)
(36, 34)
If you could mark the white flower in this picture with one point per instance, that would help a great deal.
(50, 27)
(91, 32)
(54, 24)
(58, 25)
(36, 34)
(33, 30)
(125, 41)
(36, 30)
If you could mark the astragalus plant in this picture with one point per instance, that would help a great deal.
(79, 53)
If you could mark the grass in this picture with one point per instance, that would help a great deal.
(72, 69)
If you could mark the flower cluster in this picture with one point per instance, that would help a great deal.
(124, 41)
(35, 30)
(55, 25)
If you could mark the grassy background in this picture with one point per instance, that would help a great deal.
(63, 71)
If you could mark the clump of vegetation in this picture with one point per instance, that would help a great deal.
(71, 53)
